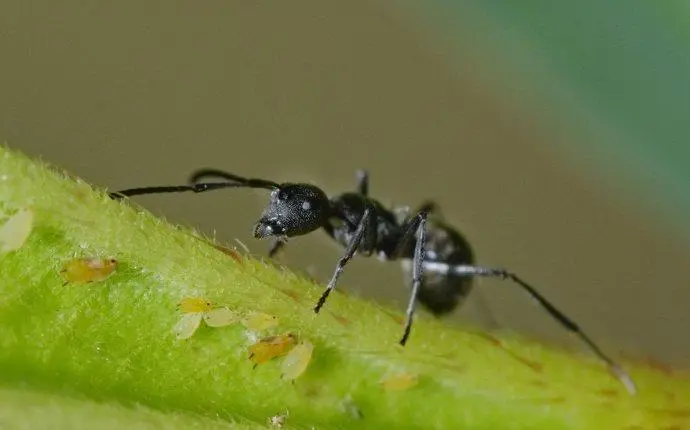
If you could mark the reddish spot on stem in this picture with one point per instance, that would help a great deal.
(293, 295)
(537, 367)
(398, 319)
(556, 400)
(227, 251)
(342, 320)
(609, 393)
(539, 383)
(489, 338)
(231, 252)
(82, 193)
(659, 366)
(311, 279)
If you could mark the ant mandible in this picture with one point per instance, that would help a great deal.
(437, 259)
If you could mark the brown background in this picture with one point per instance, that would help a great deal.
(129, 93)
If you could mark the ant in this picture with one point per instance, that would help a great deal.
(438, 261)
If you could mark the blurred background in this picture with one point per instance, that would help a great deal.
(553, 136)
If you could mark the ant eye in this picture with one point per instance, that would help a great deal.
(306, 205)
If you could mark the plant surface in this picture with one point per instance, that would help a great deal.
(104, 353)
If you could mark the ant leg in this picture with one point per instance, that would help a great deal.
(349, 253)
(431, 206)
(362, 182)
(276, 246)
(557, 315)
(418, 223)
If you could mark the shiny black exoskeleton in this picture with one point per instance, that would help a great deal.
(442, 292)
(438, 260)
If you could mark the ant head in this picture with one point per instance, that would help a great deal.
(294, 210)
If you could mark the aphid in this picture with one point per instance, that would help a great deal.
(187, 325)
(297, 360)
(259, 321)
(193, 305)
(350, 408)
(87, 270)
(278, 420)
(16, 230)
(220, 317)
(271, 347)
(437, 260)
(399, 381)
(194, 310)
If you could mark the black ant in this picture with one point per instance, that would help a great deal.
(437, 259)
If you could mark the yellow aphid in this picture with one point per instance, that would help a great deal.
(271, 347)
(85, 270)
(194, 310)
(399, 381)
(187, 325)
(297, 360)
(258, 321)
(220, 317)
(16, 230)
(192, 305)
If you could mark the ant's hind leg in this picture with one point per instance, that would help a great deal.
(555, 313)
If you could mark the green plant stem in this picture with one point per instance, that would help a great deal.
(24, 409)
(112, 341)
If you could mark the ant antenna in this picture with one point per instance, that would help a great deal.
(230, 181)
(567, 323)
(200, 174)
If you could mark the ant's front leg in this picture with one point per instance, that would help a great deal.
(349, 253)
(277, 245)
